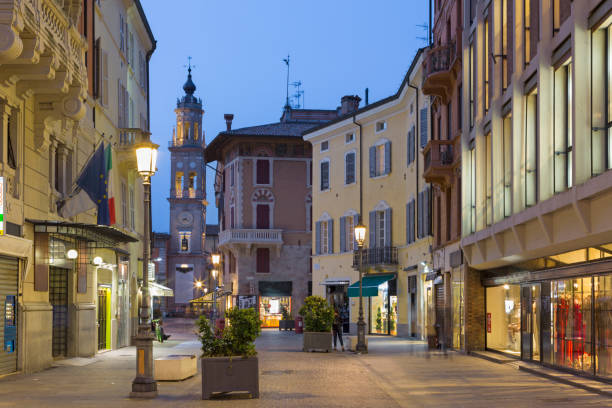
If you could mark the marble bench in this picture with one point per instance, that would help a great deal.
(175, 367)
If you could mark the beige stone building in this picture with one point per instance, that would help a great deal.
(368, 165)
(72, 75)
(537, 185)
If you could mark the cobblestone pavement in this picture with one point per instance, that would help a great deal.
(396, 373)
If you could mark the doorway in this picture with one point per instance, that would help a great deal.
(530, 322)
(103, 318)
(58, 297)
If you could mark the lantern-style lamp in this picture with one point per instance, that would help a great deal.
(360, 233)
(146, 156)
(216, 259)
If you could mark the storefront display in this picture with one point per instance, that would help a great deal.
(270, 309)
(457, 303)
(381, 293)
(503, 314)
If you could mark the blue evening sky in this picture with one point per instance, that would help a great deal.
(337, 47)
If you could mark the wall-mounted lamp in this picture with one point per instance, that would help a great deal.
(72, 254)
(97, 260)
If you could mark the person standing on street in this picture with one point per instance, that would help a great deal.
(337, 329)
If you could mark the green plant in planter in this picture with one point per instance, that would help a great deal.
(378, 320)
(237, 339)
(285, 313)
(391, 320)
(318, 314)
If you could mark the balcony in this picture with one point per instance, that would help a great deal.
(441, 67)
(128, 138)
(250, 237)
(441, 158)
(376, 257)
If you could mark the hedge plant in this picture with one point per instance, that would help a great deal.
(236, 339)
(318, 314)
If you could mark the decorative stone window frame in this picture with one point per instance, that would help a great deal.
(326, 159)
(262, 196)
(352, 151)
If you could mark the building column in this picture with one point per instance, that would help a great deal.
(474, 309)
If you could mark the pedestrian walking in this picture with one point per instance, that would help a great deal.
(337, 329)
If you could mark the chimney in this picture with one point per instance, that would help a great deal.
(228, 120)
(349, 104)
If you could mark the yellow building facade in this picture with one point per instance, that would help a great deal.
(367, 166)
(68, 287)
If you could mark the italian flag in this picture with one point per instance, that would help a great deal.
(108, 159)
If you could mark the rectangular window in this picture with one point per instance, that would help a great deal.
(563, 109)
(308, 173)
(505, 38)
(380, 159)
(263, 171)
(460, 108)
(263, 260)
(263, 216)
(380, 162)
(325, 146)
(488, 179)
(472, 77)
(124, 205)
(507, 164)
(410, 222)
(449, 121)
(488, 27)
(349, 233)
(601, 101)
(349, 168)
(424, 128)
(380, 229)
(531, 149)
(324, 237)
(561, 11)
(472, 196)
(472, 10)
(132, 209)
(122, 23)
(232, 217)
(410, 146)
(380, 126)
(232, 170)
(324, 175)
(11, 136)
(531, 25)
(349, 138)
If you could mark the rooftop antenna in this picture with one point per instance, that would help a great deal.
(298, 93)
(287, 61)
(425, 28)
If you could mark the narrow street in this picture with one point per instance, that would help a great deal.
(396, 373)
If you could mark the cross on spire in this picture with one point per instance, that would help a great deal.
(189, 65)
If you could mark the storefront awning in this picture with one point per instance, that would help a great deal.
(97, 236)
(335, 281)
(275, 288)
(160, 290)
(369, 285)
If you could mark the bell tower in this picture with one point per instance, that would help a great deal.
(186, 257)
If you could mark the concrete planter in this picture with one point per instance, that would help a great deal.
(286, 324)
(314, 341)
(228, 374)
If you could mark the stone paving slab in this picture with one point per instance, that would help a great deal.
(396, 373)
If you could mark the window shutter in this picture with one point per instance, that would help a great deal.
(372, 161)
(408, 223)
(104, 89)
(119, 104)
(388, 224)
(412, 221)
(427, 211)
(318, 237)
(372, 229)
(342, 234)
(420, 216)
(330, 236)
(355, 222)
(387, 157)
(423, 127)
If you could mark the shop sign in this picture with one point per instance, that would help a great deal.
(488, 322)
(245, 302)
(1, 205)
(431, 276)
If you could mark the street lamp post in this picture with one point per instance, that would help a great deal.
(144, 385)
(360, 232)
(216, 260)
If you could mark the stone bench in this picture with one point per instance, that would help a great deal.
(175, 367)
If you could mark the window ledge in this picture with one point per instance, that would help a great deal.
(380, 176)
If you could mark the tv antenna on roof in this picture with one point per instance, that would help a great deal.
(425, 28)
(299, 94)
(287, 61)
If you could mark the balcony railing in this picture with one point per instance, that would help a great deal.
(440, 70)
(440, 157)
(251, 236)
(128, 137)
(440, 58)
(376, 256)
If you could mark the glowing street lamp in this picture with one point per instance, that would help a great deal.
(360, 233)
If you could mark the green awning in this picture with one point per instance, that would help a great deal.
(370, 285)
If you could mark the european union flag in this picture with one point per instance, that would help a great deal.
(94, 181)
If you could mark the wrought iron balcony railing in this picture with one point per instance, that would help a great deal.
(376, 256)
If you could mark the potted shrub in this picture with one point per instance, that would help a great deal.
(318, 319)
(287, 321)
(229, 359)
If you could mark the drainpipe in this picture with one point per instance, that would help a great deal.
(416, 154)
(360, 169)
(148, 58)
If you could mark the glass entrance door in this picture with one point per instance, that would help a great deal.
(530, 322)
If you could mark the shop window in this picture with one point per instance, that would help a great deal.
(383, 309)
(380, 159)
(457, 303)
(503, 319)
(263, 260)
(184, 243)
(603, 325)
(325, 175)
(601, 100)
(530, 164)
(263, 171)
(488, 179)
(563, 107)
(349, 168)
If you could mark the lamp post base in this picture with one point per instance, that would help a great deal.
(144, 385)
(361, 346)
